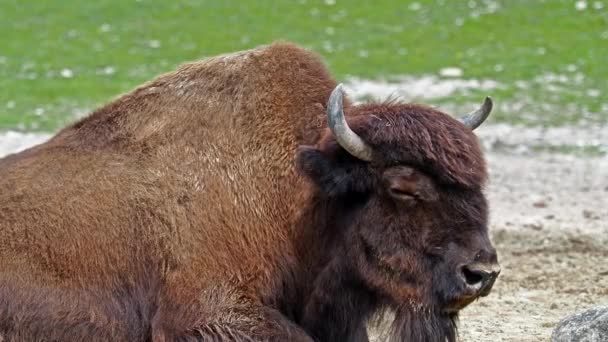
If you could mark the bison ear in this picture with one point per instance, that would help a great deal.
(408, 184)
(333, 176)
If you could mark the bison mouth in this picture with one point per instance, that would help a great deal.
(458, 304)
(458, 301)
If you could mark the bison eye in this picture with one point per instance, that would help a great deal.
(401, 194)
(408, 184)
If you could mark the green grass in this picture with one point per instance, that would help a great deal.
(110, 46)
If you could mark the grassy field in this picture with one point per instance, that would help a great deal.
(61, 58)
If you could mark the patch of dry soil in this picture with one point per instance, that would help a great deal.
(549, 223)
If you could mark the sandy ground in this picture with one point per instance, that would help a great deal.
(549, 223)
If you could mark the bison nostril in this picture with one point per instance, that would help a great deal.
(480, 277)
(474, 277)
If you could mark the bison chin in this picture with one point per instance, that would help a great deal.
(418, 324)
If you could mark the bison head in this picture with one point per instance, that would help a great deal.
(412, 214)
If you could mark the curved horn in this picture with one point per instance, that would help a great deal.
(478, 116)
(348, 139)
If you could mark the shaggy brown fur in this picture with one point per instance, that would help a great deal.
(176, 212)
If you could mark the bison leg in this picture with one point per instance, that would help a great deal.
(222, 319)
(29, 312)
(260, 324)
(262, 331)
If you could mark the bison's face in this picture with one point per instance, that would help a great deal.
(407, 193)
(421, 243)
(418, 243)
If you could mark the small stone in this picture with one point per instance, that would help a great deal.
(553, 306)
(451, 72)
(580, 5)
(66, 73)
(534, 225)
(154, 44)
(590, 215)
(105, 28)
(539, 204)
(415, 6)
(586, 326)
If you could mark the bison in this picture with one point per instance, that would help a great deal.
(242, 198)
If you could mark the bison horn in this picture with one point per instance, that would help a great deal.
(345, 136)
(478, 116)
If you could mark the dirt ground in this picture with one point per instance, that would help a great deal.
(549, 217)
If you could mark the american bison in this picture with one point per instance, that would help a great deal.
(242, 198)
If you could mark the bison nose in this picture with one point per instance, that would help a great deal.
(479, 278)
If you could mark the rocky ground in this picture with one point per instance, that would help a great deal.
(550, 226)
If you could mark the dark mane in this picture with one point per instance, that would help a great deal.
(409, 324)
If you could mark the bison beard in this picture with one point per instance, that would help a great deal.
(178, 213)
(410, 324)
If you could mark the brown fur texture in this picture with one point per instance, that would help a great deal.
(177, 212)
